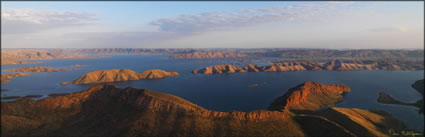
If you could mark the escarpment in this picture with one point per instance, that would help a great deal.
(118, 75)
(310, 96)
(332, 65)
(107, 110)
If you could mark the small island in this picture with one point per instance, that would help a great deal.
(5, 78)
(119, 75)
(385, 98)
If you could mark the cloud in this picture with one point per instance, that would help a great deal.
(244, 17)
(120, 39)
(17, 21)
(390, 29)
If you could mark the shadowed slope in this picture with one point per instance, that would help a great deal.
(106, 110)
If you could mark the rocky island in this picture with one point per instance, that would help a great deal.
(119, 75)
(36, 69)
(107, 110)
(338, 65)
(6, 77)
(385, 98)
(199, 55)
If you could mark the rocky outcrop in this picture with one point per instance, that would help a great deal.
(199, 55)
(385, 98)
(36, 69)
(119, 75)
(106, 110)
(310, 96)
(6, 77)
(337, 65)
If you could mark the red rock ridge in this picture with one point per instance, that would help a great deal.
(310, 96)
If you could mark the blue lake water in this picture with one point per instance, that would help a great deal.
(226, 92)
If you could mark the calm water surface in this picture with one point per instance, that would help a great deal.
(226, 92)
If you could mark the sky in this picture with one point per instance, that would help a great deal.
(332, 25)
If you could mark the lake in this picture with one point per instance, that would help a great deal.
(226, 92)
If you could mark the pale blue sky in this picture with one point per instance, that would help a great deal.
(213, 24)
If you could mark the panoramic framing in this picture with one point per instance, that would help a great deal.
(216, 69)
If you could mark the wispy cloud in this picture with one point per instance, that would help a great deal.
(120, 39)
(244, 17)
(390, 29)
(16, 21)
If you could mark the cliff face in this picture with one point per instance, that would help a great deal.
(5, 77)
(310, 96)
(117, 75)
(35, 69)
(198, 55)
(338, 65)
(106, 110)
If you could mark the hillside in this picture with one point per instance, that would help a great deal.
(106, 110)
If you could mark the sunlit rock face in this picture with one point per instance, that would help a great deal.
(310, 96)
(118, 75)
